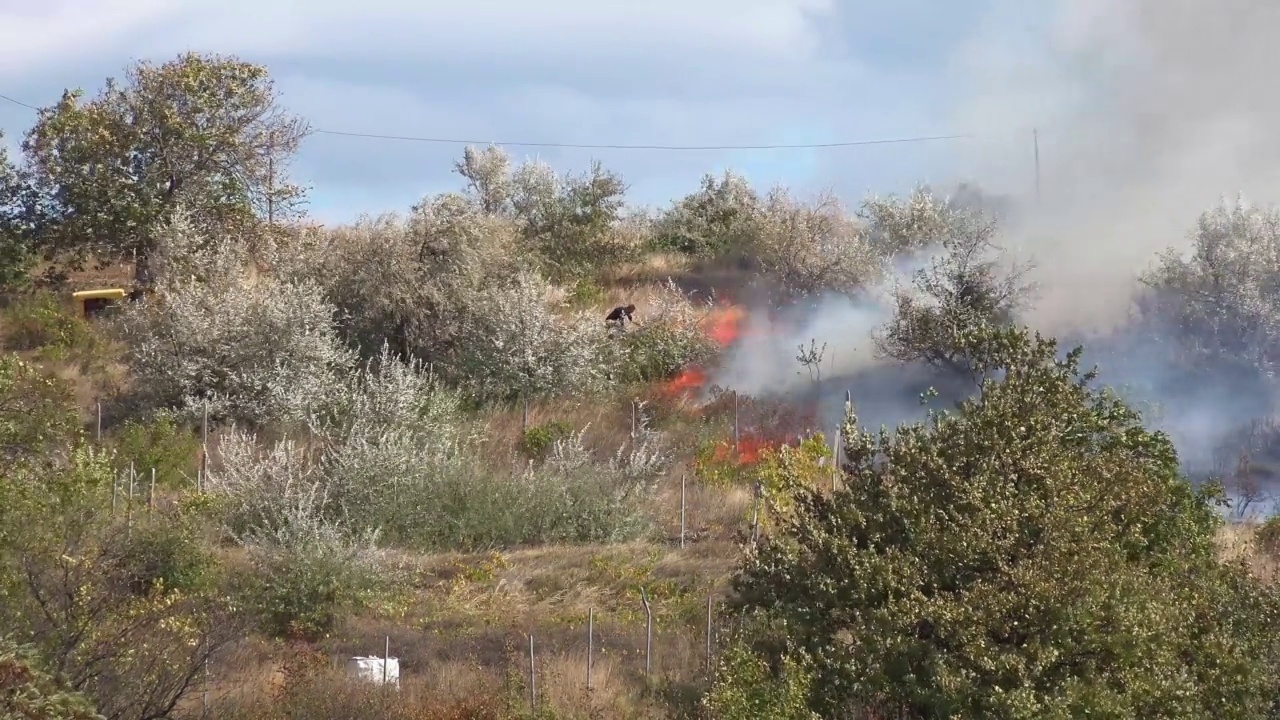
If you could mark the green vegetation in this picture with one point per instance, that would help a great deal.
(422, 432)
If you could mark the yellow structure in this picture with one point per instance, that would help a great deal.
(93, 302)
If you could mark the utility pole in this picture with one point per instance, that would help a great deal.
(1035, 142)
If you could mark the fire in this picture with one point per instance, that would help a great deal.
(723, 325)
(747, 453)
(690, 380)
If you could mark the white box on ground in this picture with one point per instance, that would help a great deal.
(374, 669)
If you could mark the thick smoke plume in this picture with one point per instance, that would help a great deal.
(1147, 113)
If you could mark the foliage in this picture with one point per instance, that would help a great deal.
(37, 415)
(162, 554)
(721, 217)
(965, 283)
(520, 348)
(17, 210)
(815, 248)
(396, 461)
(254, 349)
(783, 469)
(1017, 559)
(745, 688)
(300, 590)
(1267, 536)
(159, 443)
(74, 589)
(200, 131)
(28, 692)
(670, 338)
(1219, 303)
(569, 221)
(44, 323)
(536, 441)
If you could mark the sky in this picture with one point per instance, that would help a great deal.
(664, 72)
(1146, 112)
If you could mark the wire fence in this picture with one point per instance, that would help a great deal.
(632, 639)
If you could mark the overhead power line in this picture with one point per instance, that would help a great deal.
(589, 146)
(18, 102)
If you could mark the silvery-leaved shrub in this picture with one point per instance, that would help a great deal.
(518, 345)
(253, 348)
(1220, 303)
(814, 248)
(962, 279)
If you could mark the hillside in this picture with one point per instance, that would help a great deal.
(418, 433)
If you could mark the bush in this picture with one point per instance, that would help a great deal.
(538, 440)
(38, 413)
(42, 322)
(1212, 320)
(1018, 560)
(398, 461)
(29, 692)
(722, 217)
(160, 443)
(520, 347)
(811, 249)
(669, 340)
(301, 589)
(966, 283)
(257, 350)
(164, 555)
(74, 585)
(744, 688)
(1267, 537)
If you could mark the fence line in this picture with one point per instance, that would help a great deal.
(531, 672)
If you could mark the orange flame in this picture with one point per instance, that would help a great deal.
(747, 453)
(723, 325)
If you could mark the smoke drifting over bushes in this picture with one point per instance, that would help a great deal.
(1147, 113)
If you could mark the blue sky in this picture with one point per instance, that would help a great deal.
(673, 72)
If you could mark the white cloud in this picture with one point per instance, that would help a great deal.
(668, 72)
(36, 37)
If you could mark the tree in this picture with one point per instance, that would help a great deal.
(965, 283)
(569, 221)
(1033, 555)
(255, 350)
(815, 248)
(200, 131)
(721, 216)
(1220, 303)
(19, 209)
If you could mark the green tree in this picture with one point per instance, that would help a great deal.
(113, 599)
(722, 216)
(201, 131)
(19, 206)
(967, 281)
(1034, 554)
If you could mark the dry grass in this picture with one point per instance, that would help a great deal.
(608, 424)
(463, 633)
(1237, 541)
(651, 269)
